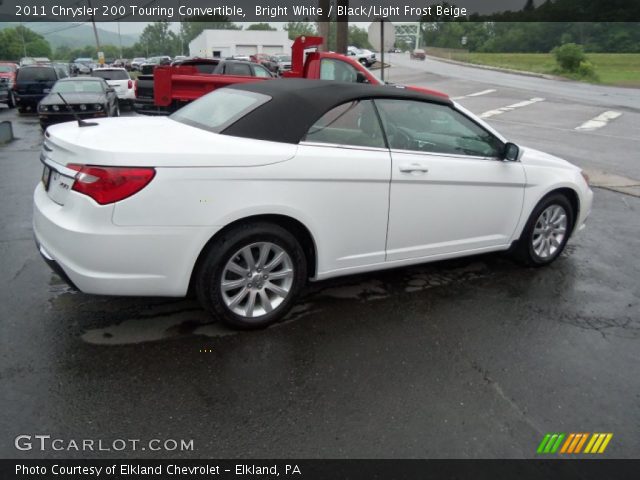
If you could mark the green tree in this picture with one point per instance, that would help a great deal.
(296, 29)
(261, 26)
(20, 41)
(158, 39)
(359, 37)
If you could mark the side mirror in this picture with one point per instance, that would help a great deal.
(361, 78)
(511, 152)
(110, 90)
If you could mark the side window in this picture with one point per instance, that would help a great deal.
(238, 69)
(430, 127)
(333, 69)
(352, 123)
(261, 71)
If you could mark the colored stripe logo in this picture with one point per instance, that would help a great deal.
(572, 443)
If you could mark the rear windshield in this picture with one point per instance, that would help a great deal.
(36, 74)
(111, 74)
(219, 109)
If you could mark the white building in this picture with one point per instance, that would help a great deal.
(228, 43)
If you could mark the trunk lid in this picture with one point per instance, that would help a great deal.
(156, 142)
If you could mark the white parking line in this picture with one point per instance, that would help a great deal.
(508, 108)
(476, 94)
(599, 121)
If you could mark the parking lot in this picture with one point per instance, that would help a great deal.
(473, 358)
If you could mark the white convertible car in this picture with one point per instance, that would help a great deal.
(248, 192)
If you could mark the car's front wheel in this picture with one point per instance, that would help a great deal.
(547, 231)
(250, 275)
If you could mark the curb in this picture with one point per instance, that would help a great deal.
(501, 69)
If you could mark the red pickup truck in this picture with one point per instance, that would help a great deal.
(177, 85)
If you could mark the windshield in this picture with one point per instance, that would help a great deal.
(216, 111)
(79, 86)
(111, 74)
(6, 69)
(283, 58)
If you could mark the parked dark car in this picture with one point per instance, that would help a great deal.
(33, 83)
(6, 93)
(83, 97)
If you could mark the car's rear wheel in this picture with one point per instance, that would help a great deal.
(251, 275)
(546, 232)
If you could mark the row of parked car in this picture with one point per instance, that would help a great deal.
(50, 91)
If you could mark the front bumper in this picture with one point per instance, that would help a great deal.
(51, 118)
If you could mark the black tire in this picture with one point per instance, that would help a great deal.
(22, 110)
(208, 276)
(116, 110)
(524, 250)
(11, 101)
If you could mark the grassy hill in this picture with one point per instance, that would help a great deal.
(67, 33)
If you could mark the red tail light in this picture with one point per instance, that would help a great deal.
(130, 85)
(110, 184)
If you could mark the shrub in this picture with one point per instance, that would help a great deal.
(587, 71)
(569, 56)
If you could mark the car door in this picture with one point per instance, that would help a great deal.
(346, 169)
(450, 190)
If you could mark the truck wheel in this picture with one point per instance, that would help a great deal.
(11, 101)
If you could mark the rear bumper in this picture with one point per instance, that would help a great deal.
(55, 266)
(128, 96)
(148, 107)
(80, 242)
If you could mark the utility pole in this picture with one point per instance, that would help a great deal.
(119, 39)
(24, 45)
(95, 29)
(342, 28)
(324, 25)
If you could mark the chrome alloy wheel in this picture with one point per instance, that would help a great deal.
(257, 279)
(549, 231)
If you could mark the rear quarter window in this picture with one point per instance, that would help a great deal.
(216, 111)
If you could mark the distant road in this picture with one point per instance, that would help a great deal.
(593, 126)
(582, 92)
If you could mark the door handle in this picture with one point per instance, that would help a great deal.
(413, 168)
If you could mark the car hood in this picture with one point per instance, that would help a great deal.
(73, 98)
(157, 142)
(531, 156)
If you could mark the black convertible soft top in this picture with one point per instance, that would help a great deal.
(296, 104)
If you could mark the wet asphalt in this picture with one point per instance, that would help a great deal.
(473, 358)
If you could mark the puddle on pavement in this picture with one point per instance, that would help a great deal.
(161, 319)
